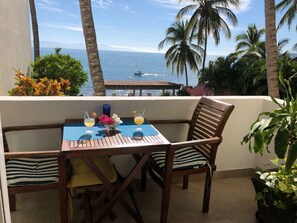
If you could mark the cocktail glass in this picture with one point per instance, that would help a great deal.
(138, 120)
(89, 122)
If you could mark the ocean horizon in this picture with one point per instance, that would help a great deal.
(121, 66)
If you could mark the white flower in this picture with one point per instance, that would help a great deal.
(117, 120)
(271, 177)
(270, 184)
(264, 176)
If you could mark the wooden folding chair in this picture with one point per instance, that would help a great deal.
(197, 154)
(31, 170)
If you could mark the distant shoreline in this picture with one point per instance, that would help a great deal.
(126, 51)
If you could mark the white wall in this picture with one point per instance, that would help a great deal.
(231, 154)
(15, 46)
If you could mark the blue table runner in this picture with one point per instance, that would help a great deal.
(127, 128)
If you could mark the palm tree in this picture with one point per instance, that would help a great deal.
(280, 46)
(92, 49)
(290, 14)
(291, 6)
(34, 29)
(207, 19)
(295, 47)
(271, 49)
(182, 52)
(250, 42)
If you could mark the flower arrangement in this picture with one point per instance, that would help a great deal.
(110, 121)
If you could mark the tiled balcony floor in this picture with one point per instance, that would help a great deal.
(232, 201)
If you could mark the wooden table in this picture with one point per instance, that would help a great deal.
(111, 145)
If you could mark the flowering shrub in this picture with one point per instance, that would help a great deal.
(27, 86)
(106, 120)
(281, 185)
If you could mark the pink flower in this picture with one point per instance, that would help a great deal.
(106, 120)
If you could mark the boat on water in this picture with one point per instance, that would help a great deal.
(138, 73)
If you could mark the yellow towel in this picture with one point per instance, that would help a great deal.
(82, 175)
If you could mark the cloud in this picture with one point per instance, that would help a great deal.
(64, 27)
(132, 48)
(49, 5)
(74, 15)
(102, 3)
(128, 9)
(174, 4)
(244, 4)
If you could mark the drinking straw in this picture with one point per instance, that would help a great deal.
(87, 115)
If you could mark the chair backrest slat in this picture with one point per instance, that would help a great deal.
(208, 120)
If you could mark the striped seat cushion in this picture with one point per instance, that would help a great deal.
(32, 171)
(184, 158)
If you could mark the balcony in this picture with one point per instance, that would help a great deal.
(232, 198)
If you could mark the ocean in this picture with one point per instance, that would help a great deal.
(120, 65)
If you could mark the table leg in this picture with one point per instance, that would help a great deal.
(118, 193)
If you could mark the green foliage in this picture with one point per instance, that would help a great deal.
(165, 93)
(56, 66)
(245, 75)
(289, 6)
(281, 123)
(225, 76)
(281, 187)
(183, 92)
(208, 18)
(250, 42)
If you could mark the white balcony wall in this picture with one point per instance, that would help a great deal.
(15, 46)
(41, 110)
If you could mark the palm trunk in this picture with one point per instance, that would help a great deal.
(34, 29)
(92, 49)
(271, 49)
(186, 74)
(205, 47)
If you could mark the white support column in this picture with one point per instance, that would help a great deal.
(4, 204)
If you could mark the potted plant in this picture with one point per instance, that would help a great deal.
(277, 189)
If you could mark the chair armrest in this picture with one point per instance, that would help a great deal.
(10, 155)
(213, 140)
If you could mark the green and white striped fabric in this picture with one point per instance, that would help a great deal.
(32, 171)
(184, 158)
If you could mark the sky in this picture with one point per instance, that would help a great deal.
(137, 25)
